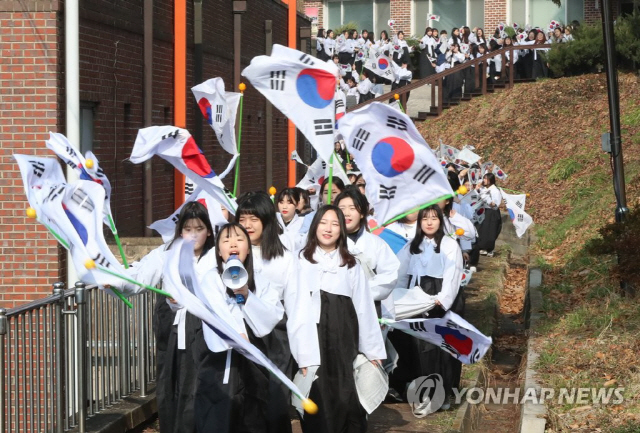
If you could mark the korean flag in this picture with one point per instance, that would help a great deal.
(401, 171)
(178, 147)
(303, 88)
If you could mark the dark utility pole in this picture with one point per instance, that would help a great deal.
(614, 120)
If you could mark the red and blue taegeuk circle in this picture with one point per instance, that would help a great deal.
(194, 159)
(205, 107)
(383, 64)
(316, 87)
(392, 156)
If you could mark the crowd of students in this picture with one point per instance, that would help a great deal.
(318, 283)
(437, 51)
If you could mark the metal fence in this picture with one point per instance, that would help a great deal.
(70, 355)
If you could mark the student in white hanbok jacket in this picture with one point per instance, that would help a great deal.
(287, 202)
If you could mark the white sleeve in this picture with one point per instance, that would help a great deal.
(498, 61)
(370, 342)
(263, 310)
(364, 87)
(301, 326)
(451, 256)
(386, 271)
(404, 255)
(215, 294)
(423, 42)
(461, 222)
(344, 86)
(148, 270)
(496, 197)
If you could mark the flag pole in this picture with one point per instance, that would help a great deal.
(397, 98)
(515, 192)
(115, 235)
(444, 197)
(330, 184)
(90, 264)
(242, 88)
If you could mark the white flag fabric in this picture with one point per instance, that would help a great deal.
(398, 166)
(182, 284)
(77, 211)
(341, 104)
(167, 227)
(515, 206)
(468, 156)
(296, 157)
(411, 302)
(65, 151)
(449, 153)
(434, 17)
(302, 88)
(499, 173)
(380, 65)
(450, 333)
(177, 146)
(475, 176)
(466, 277)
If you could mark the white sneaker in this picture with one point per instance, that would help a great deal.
(473, 269)
(490, 254)
(483, 252)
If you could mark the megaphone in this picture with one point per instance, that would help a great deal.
(234, 275)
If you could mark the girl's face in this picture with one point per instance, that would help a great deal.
(540, 36)
(336, 146)
(557, 33)
(480, 33)
(567, 31)
(351, 215)
(401, 36)
(507, 41)
(429, 33)
(481, 49)
(328, 231)
(195, 230)
(532, 35)
(412, 217)
(287, 208)
(365, 35)
(485, 181)
(336, 60)
(233, 242)
(331, 35)
(456, 32)
(334, 193)
(253, 226)
(430, 224)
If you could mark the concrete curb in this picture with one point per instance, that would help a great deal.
(533, 416)
(468, 415)
(125, 415)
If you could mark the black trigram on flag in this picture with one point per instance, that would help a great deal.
(360, 139)
(387, 192)
(228, 194)
(323, 126)
(173, 134)
(188, 188)
(450, 349)
(277, 80)
(53, 193)
(520, 218)
(339, 104)
(397, 123)
(424, 174)
(101, 260)
(218, 113)
(417, 326)
(71, 151)
(474, 356)
(175, 218)
(452, 324)
(307, 60)
(83, 200)
(519, 204)
(324, 165)
(38, 168)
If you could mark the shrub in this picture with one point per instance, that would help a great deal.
(351, 25)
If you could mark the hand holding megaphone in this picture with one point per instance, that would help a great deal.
(235, 277)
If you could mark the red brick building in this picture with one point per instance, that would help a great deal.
(411, 15)
(32, 103)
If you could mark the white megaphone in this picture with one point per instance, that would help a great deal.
(235, 276)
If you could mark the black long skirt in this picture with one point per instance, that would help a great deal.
(525, 65)
(426, 68)
(540, 69)
(469, 76)
(489, 230)
(452, 87)
(419, 358)
(240, 405)
(334, 391)
(278, 350)
(176, 370)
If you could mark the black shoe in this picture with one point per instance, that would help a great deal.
(394, 396)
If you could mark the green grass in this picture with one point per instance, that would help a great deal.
(564, 169)
(632, 118)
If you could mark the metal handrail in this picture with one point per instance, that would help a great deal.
(70, 355)
(436, 80)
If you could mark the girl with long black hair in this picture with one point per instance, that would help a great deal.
(432, 261)
(296, 334)
(347, 324)
(491, 226)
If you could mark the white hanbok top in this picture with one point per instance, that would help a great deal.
(447, 264)
(327, 275)
(407, 231)
(284, 275)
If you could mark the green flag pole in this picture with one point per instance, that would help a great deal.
(444, 197)
(242, 87)
(397, 98)
(515, 192)
(115, 235)
(330, 184)
(132, 281)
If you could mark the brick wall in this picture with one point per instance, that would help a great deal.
(495, 12)
(401, 14)
(592, 13)
(29, 59)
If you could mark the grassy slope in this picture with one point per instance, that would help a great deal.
(546, 136)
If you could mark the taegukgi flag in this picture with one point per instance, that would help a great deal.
(77, 212)
(450, 333)
(65, 151)
(401, 171)
(303, 88)
(178, 147)
(515, 206)
(167, 227)
(380, 65)
(219, 108)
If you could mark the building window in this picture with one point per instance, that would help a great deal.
(539, 13)
(453, 13)
(371, 15)
(87, 111)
